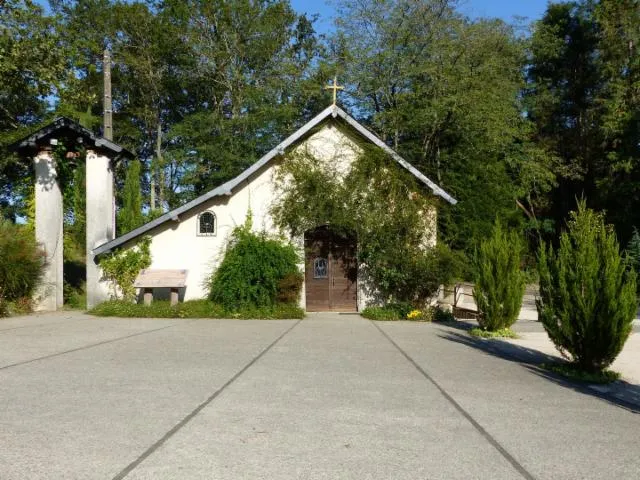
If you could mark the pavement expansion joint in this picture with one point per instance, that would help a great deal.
(68, 320)
(86, 347)
(149, 451)
(510, 458)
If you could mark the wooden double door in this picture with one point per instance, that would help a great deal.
(331, 272)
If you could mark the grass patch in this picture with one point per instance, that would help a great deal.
(573, 372)
(501, 333)
(193, 309)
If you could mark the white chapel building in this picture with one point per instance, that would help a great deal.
(193, 237)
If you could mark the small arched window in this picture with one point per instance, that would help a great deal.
(206, 224)
(320, 268)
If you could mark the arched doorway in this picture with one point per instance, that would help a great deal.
(331, 271)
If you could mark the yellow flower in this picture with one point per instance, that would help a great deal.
(414, 314)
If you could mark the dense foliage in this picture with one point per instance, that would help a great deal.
(512, 125)
(403, 311)
(499, 281)
(587, 294)
(383, 206)
(130, 215)
(253, 272)
(21, 262)
(194, 309)
(123, 266)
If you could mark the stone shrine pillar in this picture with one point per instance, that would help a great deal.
(100, 221)
(49, 230)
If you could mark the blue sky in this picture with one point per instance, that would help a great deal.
(505, 9)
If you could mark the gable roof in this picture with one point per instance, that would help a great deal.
(65, 127)
(227, 188)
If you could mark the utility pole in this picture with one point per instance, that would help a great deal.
(107, 115)
(108, 104)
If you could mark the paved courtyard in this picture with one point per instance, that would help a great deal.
(329, 397)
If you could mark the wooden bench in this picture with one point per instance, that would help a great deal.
(149, 279)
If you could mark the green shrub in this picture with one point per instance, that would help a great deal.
(193, 309)
(398, 311)
(633, 255)
(21, 261)
(499, 282)
(252, 271)
(4, 307)
(380, 313)
(21, 306)
(441, 315)
(121, 268)
(75, 297)
(289, 288)
(587, 293)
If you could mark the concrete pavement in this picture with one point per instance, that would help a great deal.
(332, 396)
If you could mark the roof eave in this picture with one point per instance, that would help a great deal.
(227, 188)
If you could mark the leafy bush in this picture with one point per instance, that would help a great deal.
(121, 268)
(193, 309)
(380, 313)
(382, 205)
(587, 294)
(21, 306)
(399, 311)
(289, 288)
(21, 261)
(633, 254)
(444, 316)
(4, 307)
(499, 283)
(253, 271)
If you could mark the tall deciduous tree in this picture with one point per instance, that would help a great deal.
(31, 66)
(444, 91)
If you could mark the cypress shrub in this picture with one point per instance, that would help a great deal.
(587, 292)
(21, 261)
(253, 272)
(130, 215)
(499, 282)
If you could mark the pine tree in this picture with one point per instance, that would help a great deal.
(587, 294)
(499, 284)
(130, 215)
(633, 250)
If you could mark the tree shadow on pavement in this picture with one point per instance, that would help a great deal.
(620, 393)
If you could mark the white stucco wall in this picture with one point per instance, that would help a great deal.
(176, 244)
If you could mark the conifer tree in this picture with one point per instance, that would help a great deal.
(499, 284)
(633, 250)
(587, 294)
(130, 215)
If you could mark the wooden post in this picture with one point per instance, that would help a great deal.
(148, 296)
(174, 296)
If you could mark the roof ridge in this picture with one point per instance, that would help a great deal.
(227, 187)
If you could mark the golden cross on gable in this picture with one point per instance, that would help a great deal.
(335, 87)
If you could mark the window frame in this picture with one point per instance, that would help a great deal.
(315, 268)
(199, 231)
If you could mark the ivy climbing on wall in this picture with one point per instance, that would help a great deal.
(383, 205)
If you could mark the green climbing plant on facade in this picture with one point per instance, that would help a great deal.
(379, 203)
(122, 267)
